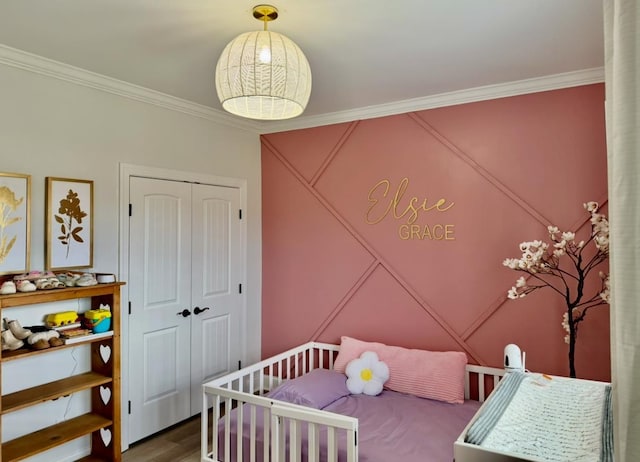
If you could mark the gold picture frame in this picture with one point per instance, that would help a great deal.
(15, 231)
(69, 223)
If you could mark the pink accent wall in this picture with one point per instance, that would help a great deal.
(492, 174)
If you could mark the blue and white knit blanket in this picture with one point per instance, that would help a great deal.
(554, 419)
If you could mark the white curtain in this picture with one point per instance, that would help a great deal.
(622, 81)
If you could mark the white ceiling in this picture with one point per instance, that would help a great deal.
(362, 52)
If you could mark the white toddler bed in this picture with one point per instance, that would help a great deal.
(261, 428)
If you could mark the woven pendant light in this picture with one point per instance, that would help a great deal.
(262, 74)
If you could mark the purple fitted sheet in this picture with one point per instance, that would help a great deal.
(392, 427)
(398, 427)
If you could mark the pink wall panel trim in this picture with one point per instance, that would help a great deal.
(311, 161)
(345, 253)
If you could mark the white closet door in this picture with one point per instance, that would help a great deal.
(216, 277)
(159, 290)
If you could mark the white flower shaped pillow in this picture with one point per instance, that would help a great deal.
(366, 374)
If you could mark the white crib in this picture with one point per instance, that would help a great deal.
(276, 428)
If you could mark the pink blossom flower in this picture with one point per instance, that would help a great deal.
(591, 206)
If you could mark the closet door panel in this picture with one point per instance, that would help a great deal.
(160, 290)
(215, 346)
(215, 241)
(217, 273)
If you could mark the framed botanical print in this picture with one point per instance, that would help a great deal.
(15, 232)
(69, 222)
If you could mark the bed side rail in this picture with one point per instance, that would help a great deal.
(216, 439)
(480, 381)
(245, 386)
(268, 373)
(263, 428)
(321, 428)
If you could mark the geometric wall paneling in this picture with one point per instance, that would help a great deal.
(279, 229)
(549, 142)
(394, 229)
(347, 223)
(434, 173)
(381, 297)
(314, 282)
(307, 158)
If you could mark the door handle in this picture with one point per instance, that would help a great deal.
(198, 310)
(184, 313)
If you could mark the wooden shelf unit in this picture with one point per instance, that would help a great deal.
(23, 353)
(103, 422)
(52, 390)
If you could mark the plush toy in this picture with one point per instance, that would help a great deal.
(366, 374)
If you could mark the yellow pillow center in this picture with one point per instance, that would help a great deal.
(366, 374)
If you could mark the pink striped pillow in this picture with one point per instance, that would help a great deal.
(435, 375)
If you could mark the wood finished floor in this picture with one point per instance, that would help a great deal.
(180, 443)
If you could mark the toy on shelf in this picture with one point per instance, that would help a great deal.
(62, 318)
(98, 320)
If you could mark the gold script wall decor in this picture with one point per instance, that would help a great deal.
(69, 223)
(385, 202)
(15, 235)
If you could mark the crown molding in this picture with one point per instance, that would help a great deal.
(471, 95)
(27, 61)
(30, 62)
